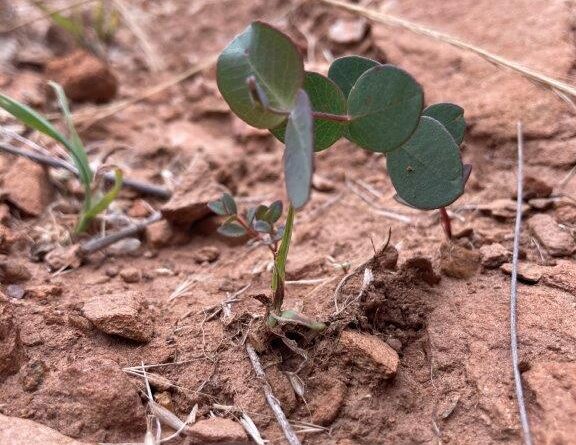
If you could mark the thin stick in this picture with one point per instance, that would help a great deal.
(271, 399)
(46, 15)
(513, 296)
(101, 242)
(396, 22)
(141, 187)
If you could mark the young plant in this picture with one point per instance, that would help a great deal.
(378, 107)
(94, 202)
(260, 224)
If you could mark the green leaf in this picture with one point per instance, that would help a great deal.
(262, 226)
(102, 204)
(427, 170)
(231, 230)
(74, 27)
(229, 204)
(279, 274)
(298, 162)
(217, 207)
(346, 70)
(274, 212)
(449, 115)
(272, 59)
(385, 106)
(291, 316)
(325, 96)
(74, 145)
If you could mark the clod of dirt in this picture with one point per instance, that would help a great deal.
(11, 351)
(43, 291)
(458, 262)
(501, 209)
(566, 214)
(190, 199)
(32, 375)
(494, 255)
(16, 431)
(12, 271)
(120, 314)
(346, 32)
(322, 184)
(131, 275)
(419, 268)
(207, 254)
(535, 188)
(217, 430)
(553, 385)
(369, 352)
(327, 405)
(386, 259)
(27, 187)
(84, 77)
(159, 234)
(527, 273)
(562, 276)
(63, 257)
(556, 241)
(90, 397)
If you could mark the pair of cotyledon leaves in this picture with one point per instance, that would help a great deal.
(384, 105)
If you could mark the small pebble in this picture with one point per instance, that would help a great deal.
(131, 275)
(15, 291)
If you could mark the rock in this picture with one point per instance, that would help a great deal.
(131, 275)
(120, 314)
(420, 269)
(527, 273)
(43, 291)
(322, 184)
(562, 276)
(541, 204)
(12, 271)
(126, 246)
(62, 258)
(15, 291)
(553, 385)
(207, 254)
(32, 375)
(90, 396)
(11, 351)
(494, 255)
(395, 344)
(535, 188)
(27, 187)
(501, 209)
(566, 214)
(369, 352)
(159, 234)
(327, 405)
(458, 262)
(556, 241)
(217, 430)
(84, 77)
(16, 431)
(348, 31)
(190, 199)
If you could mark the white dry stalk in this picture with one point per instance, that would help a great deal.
(182, 289)
(251, 429)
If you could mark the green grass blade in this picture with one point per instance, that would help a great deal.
(282, 255)
(102, 204)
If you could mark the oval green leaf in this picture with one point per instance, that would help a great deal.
(385, 106)
(325, 96)
(346, 70)
(298, 156)
(449, 115)
(427, 170)
(270, 57)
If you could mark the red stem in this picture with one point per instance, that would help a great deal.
(446, 222)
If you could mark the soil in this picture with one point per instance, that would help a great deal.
(435, 316)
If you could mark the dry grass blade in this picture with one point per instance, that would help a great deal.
(45, 16)
(251, 429)
(567, 91)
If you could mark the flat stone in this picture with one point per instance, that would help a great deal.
(196, 189)
(527, 272)
(120, 314)
(16, 431)
(561, 276)
(494, 255)
(219, 431)
(556, 241)
(458, 262)
(27, 187)
(370, 352)
(84, 77)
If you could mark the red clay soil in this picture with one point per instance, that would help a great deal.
(421, 356)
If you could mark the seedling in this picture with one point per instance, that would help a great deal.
(94, 202)
(378, 107)
(260, 224)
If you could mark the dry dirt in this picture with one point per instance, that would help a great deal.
(65, 337)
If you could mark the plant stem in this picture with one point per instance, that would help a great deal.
(446, 222)
(253, 234)
(331, 117)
